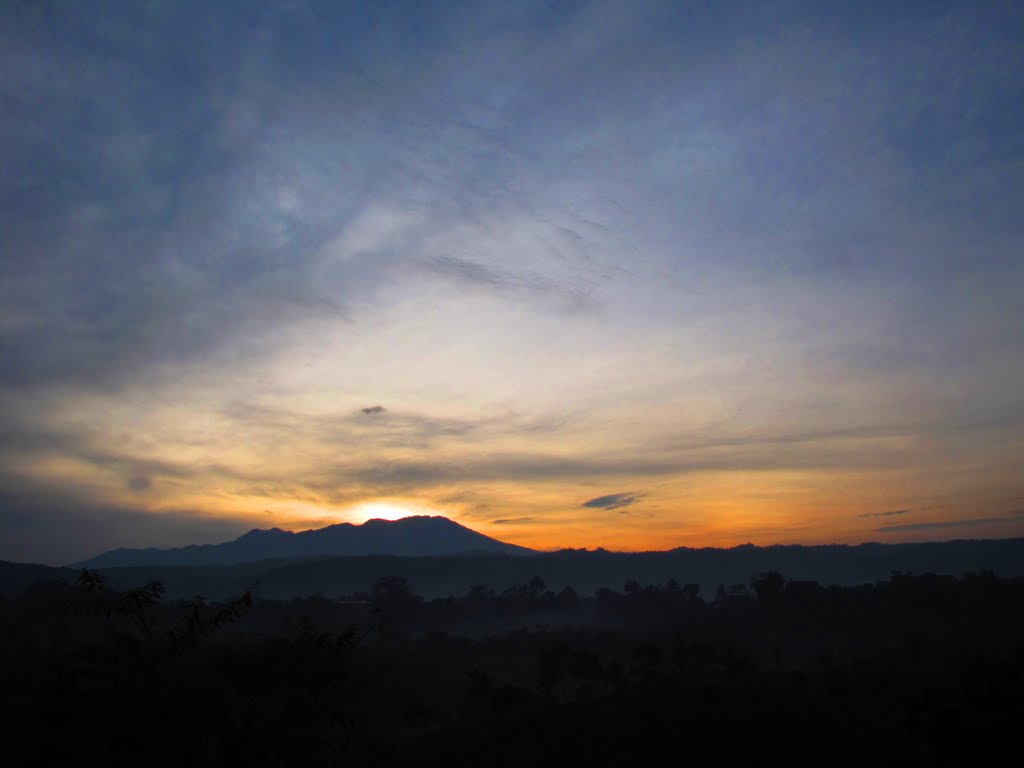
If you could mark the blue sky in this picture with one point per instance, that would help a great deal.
(751, 271)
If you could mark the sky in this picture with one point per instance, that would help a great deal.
(636, 275)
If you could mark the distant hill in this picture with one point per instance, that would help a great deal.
(454, 574)
(411, 536)
(15, 578)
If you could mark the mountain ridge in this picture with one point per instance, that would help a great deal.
(416, 536)
(583, 570)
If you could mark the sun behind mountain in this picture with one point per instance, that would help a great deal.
(387, 510)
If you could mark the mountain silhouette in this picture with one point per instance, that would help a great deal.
(419, 535)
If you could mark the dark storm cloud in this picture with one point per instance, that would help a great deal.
(613, 501)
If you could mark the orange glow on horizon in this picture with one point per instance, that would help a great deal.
(386, 509)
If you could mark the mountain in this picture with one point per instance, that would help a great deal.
(444, 575)
(15, 578)
(453, 574)
(420, 535)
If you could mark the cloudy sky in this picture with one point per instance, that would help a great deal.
(623, 274)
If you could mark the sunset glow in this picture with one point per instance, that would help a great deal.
(574, 275)
(384, 510)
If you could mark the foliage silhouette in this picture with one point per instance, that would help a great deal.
(916, 670)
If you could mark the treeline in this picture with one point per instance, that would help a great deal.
(584, 571)
(914, 670)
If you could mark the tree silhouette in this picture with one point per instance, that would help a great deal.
(768, 585)
(390, 592)
(536, 587)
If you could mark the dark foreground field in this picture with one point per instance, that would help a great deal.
(913, 671)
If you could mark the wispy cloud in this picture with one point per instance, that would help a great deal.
(33, 512)
(613, 501)
(567, 244)
(890, 513)
(938, 525)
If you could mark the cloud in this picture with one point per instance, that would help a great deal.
(31, 513)
(613, 501)
(218, 183)
(513, 521)
(400, 428)
(139, 483)
(415, 204)
(937, 525)
(890, 513)
(504, 281)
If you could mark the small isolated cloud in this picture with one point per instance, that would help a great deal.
(139, 483)
(373, 410)
(613, 501)
(512, 520)
(890, 513)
